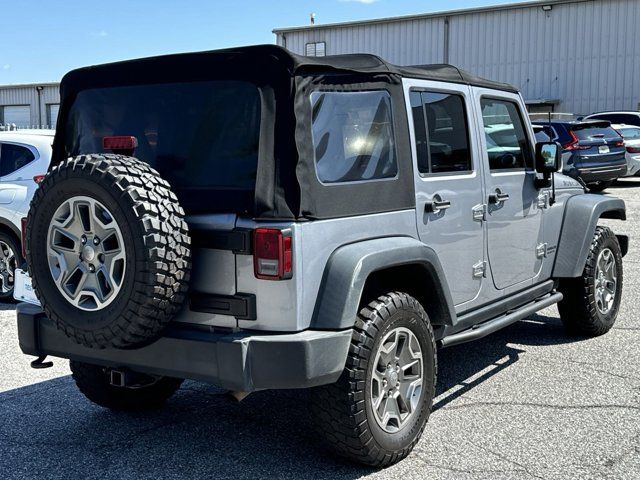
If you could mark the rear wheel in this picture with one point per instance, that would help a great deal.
(378, 409)
(10, 259)
(591, 302)
(144, 392)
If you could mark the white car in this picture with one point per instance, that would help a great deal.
(24, 159)
(631, 136)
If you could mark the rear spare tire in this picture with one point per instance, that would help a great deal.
(108, 250)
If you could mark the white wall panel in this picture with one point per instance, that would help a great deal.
(584, 53)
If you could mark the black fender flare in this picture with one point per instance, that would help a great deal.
(581, 216)
(349, 266)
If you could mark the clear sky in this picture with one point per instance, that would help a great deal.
(41, 40)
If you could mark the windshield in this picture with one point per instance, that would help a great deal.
(202, 137)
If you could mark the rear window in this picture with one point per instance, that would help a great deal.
(630, 133)
(203, 137)
(590, 133)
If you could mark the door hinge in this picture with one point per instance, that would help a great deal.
(480, 270)
(543, 200)
(541, 250)
(479, 212)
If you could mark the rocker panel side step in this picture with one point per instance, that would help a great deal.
(483, 329)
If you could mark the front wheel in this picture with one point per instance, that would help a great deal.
(376, 412)
(591, 302)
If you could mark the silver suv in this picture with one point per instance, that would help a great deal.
(258, 220)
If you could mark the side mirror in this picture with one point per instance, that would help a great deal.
(548, 157)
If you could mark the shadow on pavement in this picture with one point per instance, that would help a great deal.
(48, 430)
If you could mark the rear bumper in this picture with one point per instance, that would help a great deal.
(601, 174)
(235, 361)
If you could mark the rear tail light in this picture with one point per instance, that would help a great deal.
(633, 149)
(272, 254)
(23, 231)
(573, 144)
(120, 143)
(619, 143)
(38, 178)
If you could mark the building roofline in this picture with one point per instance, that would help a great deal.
(437, 14)
(34, 85)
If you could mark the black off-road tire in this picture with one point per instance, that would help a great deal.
(14, 244)
(578, 309)
(94, 383)
(599, 187)
(156, 241)
(342, 411)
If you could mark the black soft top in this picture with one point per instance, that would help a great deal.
(252, 56)
(287, 186)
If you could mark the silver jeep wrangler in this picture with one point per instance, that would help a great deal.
(258, 220)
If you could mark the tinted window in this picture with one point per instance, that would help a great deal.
(353, 136)
(13, 157)
(442, 138)
(630, 133)
(618, 118)
(507, 143)
(203, 137)
(589, 133)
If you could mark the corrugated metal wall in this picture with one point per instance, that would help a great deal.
(13, 95)
(585, 54)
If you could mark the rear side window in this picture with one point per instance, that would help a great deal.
(590, 133)
(507, 143)
(441, 132)
(353, 137)
(13, 157)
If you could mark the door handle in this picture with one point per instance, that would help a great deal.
(436, 204)
(498, 197)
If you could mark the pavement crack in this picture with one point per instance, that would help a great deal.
(586, 364)
(522, 467)
(542, 405)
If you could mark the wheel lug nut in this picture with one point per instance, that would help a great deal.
(83, 239)
(92, 268)
(96, 240)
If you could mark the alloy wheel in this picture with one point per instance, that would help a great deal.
(86, 253)
(397, 379)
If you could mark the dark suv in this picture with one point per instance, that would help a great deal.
(592, 151)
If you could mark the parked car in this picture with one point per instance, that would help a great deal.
(631, 137)
(277, 221)
(626, 117)
(24, 159)
(592, 151)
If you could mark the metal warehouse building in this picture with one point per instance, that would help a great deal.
(576, 56)
(29, 106)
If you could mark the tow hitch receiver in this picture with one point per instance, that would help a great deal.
(118, 378)
(39, 363)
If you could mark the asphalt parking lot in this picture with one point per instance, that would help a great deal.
(527, 402)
